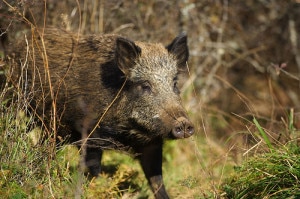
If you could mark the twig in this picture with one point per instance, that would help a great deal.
(102, 116)
(294, 40)
(101, 16)
(2, 33)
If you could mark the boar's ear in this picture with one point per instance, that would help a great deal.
(126, 54)
(179, 48)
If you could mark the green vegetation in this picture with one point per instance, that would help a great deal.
(274, 173)
(27, 168)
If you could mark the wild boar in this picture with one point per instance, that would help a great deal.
(121, 94)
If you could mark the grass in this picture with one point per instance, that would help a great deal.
(274, 173)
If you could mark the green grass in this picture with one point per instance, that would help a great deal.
(272, 174)
(263, 134)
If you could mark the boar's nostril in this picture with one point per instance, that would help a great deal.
(182, 128)
(178, 130)
(189, 131)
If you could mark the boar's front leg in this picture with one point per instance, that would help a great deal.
(150, 157)
(93, 161)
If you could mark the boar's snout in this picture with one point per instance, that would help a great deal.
(182, 128)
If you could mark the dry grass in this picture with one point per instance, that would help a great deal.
(242, 66)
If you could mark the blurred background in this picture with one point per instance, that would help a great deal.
(244, 64)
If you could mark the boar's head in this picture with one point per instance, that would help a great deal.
(150, 102)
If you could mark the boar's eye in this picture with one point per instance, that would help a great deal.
(175, 86)
(145, 87)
